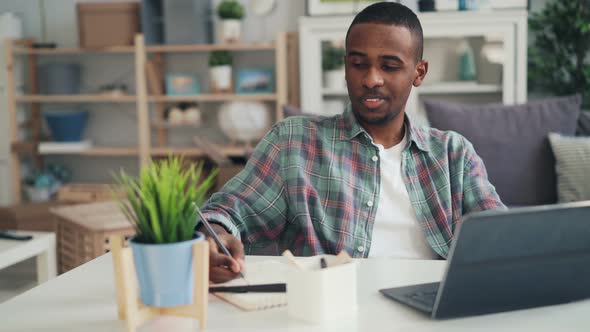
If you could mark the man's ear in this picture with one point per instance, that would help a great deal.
(421, 70)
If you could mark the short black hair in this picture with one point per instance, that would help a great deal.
(392, 13)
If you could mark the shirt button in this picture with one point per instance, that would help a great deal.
(370, 203)
(360, 249)
(375, 158)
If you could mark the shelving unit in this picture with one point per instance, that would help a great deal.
(442, 31)
(142, 100)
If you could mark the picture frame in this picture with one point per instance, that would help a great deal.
(179, 84)
(337, 7)
(254, 80)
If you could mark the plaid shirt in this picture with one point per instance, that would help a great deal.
(312, 186)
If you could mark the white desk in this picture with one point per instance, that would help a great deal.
(42, 245)
(84, 300)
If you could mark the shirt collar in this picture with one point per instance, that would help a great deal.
(351, 129)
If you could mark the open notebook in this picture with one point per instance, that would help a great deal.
(266, 272)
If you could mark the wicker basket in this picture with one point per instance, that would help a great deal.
(87, 193)
(83, 231)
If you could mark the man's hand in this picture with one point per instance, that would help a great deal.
(223, 268)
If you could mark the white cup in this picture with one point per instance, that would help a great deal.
(318, 294)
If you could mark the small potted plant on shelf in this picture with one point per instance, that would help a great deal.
(333, 66)
(229, 29)
(161, 204)
(220, 71)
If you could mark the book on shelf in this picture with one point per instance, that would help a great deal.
(64, 147)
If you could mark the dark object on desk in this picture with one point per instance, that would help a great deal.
(266, 288)
(17, 237)
(323, 263)
(44, 45)
(507, 260)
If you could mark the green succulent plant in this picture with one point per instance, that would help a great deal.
(332, 58)
(220, 58)
(230, 9)
(161, 202)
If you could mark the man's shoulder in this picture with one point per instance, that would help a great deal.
(306, 122)
(441, 140)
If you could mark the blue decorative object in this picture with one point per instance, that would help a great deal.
(66, 126)
(255, 80)
(165, 272)
(467, 70)
(182, 84)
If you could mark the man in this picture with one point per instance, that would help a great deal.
(366, 181)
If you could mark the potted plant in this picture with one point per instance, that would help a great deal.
(161, 204)
(220, 71)
(333, 66)
(229, 29)
(559, 57)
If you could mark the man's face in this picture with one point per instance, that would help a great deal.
(381, 67)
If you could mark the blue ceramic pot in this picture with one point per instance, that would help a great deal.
(165, 272)
(66, 126)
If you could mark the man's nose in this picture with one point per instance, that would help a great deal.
(373, 78)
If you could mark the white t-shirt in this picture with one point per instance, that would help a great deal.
(396, 232)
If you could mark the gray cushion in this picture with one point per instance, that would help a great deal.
(584, 124)
(572, 166)
(512, 141)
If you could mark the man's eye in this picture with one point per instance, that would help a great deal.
(389, 68)
(359, 65)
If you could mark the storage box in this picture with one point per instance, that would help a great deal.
(83, 231)
(107, 24)
(318, 294)
(28, 217)
(87, 193)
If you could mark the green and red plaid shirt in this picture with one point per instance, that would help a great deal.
(312, 186)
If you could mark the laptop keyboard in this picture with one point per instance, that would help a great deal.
(426, 298)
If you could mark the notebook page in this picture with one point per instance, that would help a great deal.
(266, 272)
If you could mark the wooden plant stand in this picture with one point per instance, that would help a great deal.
(133, 311)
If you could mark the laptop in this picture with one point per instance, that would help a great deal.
(508, 260)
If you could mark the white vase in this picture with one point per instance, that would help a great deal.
(334, 79)
(229, 31)
(221, 80)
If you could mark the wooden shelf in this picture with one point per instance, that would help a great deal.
(110, 151)
(150, 49)
(105, 151)
(73, 50)
(459, 88)
(75, 99)
(436, 88)
(131, 99)
(28, 147)
(209, 48)
(172, 125)
(221, 97)
(229, 151)
(24, 147)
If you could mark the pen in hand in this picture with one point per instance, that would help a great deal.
(216, 238)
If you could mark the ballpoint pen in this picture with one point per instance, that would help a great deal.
(216, 238)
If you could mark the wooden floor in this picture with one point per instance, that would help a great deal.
(17, 279)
